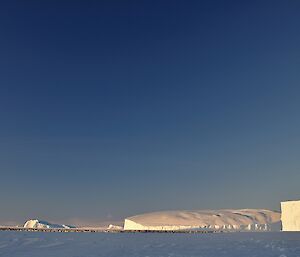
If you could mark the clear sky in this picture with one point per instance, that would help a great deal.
(113, 108)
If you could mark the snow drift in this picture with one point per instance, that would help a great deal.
(44, 224)
(245, 219)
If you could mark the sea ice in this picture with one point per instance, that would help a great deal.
(244, 244)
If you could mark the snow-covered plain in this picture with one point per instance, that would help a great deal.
(245, 244)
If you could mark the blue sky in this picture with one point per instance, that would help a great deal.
(112, 108)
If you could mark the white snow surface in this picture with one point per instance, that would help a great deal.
(244, 219)
(35, 223)
(37, 244)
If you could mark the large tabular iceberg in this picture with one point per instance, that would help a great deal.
(290, 215)
(245, 219)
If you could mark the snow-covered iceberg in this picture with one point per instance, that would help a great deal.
(235, 220)
(44, 224)
(290, 215)
(114, 227)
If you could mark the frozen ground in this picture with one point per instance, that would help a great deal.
(35, 244)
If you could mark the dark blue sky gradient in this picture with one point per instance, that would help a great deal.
(112, 108)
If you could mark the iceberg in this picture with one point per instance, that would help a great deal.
(232, 220)
(290, 215)
(35, 223)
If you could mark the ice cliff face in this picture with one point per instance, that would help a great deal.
(290, 216)
(245, 219)
(43, 224)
